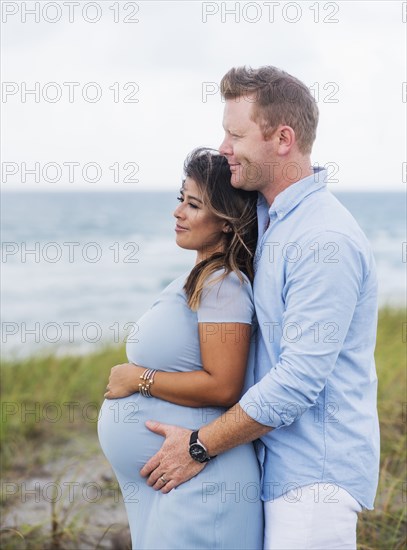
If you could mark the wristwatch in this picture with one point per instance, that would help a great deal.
(197, 449)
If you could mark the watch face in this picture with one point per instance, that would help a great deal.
(198, 453)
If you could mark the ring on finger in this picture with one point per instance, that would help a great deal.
(162, 478)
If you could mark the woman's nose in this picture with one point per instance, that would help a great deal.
(178, 211)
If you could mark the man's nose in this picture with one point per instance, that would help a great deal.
(225, 147)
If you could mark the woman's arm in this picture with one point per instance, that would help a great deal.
(224, 352)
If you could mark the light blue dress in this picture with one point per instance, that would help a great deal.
(221, 507)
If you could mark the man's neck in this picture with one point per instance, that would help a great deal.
(280, 184)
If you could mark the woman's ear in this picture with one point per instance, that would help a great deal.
(227, 228)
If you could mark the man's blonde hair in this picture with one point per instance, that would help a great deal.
(278, 98)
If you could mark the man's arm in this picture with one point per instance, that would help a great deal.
(317, 294)
(173, 461)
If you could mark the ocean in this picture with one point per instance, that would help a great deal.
(79, 268)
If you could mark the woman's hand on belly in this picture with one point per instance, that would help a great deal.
(123, 380)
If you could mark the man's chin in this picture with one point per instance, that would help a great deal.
(235, 181)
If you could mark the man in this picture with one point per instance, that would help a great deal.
(315, 292)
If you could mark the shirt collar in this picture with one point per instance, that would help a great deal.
(288, 199)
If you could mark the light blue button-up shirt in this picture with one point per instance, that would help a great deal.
(315, 294)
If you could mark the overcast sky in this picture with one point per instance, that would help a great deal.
(143, 86)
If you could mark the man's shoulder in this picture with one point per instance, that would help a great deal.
(321, 214)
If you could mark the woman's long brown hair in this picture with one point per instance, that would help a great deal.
(211, 173)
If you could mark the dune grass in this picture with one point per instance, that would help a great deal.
(385, 527)
(46, 400)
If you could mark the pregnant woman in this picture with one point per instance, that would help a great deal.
(192, 361)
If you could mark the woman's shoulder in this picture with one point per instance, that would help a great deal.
(172, 290)
(177, 283)
(226, 298)
(238, 281)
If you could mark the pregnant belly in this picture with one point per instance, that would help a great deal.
(124, 438)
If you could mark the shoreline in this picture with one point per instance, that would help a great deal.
(25, 351)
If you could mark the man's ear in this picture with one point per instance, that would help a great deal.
(286, 139)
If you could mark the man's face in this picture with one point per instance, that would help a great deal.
(250, 156)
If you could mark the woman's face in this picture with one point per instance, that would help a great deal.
(196, 227)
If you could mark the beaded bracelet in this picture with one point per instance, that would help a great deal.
(147, 381)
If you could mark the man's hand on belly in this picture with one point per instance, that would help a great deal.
(172, 465)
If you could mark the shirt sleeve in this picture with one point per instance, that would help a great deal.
(226, 301)
(320, 299)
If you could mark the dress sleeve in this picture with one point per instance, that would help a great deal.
(226, 301)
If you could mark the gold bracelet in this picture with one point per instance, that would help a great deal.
(147, 381)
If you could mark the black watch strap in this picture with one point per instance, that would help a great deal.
(194, 439)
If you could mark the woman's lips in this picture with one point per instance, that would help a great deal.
(180, 228)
